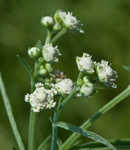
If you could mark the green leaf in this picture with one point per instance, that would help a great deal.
(127, 68)
(119, 144)
(88, 134)
(26, 66)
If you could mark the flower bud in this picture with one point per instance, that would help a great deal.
(34, 52)
(87, 89)
(48, 67)
(42, 70)
(47, 21)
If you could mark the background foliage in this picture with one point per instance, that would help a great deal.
(107, 36)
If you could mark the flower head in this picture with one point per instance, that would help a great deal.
(85, 63)
(67, 19)
(47, 21)
(41, 98)
(106, 74)
(50, 53)
(34, 52)
(64, 86)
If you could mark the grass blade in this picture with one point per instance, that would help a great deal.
(10, 115)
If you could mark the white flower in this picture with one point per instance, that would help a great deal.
(50, 53)
(85, 63)
(68, 19)
(87, 89)
(41, 98)
(64, 86)
(47, 21)
(106, 74)
(34, 52)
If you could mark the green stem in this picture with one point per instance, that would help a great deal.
(48, 39)
(54, 131)
(31, 134)
(32, 117)
(59, 34)
(68, 98)
(72, 139)
(10, 115)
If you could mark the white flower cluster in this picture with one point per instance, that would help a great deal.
(106, 74)
(85, 63)
(50, 53)
(41, 98)
(102, 70)
(64, 86)
(34, 52)
(67, 20)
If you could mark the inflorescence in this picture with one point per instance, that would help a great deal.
(50, 84)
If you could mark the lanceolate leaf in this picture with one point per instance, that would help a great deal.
(88, 134)
(119, 144)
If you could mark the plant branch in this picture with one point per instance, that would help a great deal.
(54, 131)
(59, 34)
(10, 115)
(71, 140)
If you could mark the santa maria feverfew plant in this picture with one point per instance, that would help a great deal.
(52, 89)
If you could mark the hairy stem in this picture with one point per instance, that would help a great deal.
(54, 131)
(72, 139)
(10, 115)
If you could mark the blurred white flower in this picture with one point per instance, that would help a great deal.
(64, 86)
(85, 63)
(50, 53)
(106, 74)
(41, 98)
(34, 52)
(47, 21)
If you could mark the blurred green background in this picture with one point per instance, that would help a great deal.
(107, 36)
